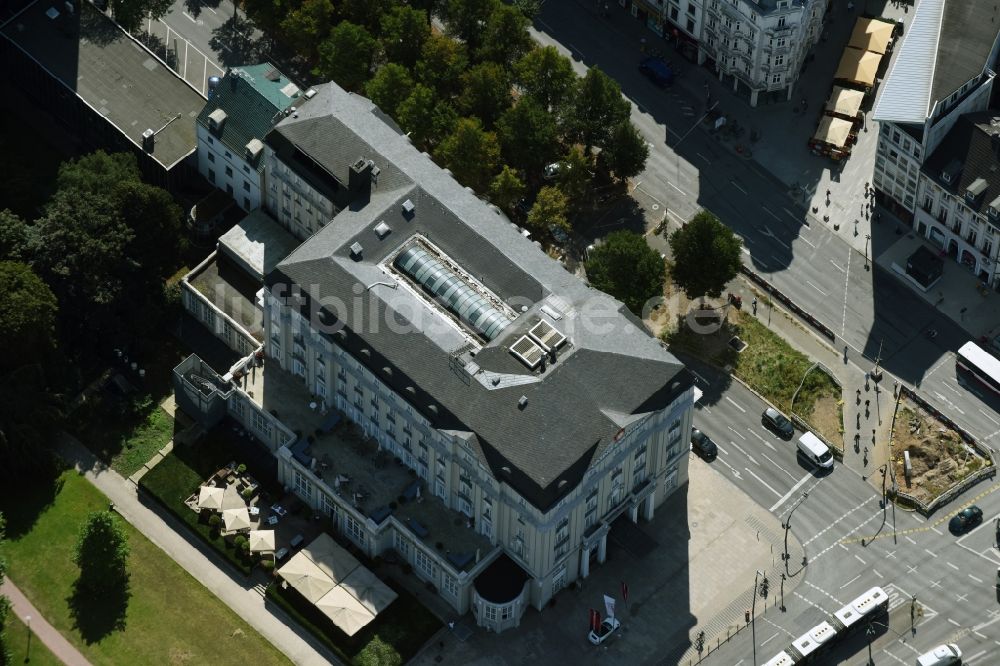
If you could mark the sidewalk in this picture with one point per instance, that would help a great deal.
(875, 421)
(40, 627)
(201, 563)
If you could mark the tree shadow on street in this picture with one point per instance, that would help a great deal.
(96, 614)
(235, 45)
(156, 44)
(97, 28)
(194, 7)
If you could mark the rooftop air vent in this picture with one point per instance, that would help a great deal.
(148, 140)
(411, 390)
(546, 335)
(408, 208)
(522, 402)
(382, 230)
(310, 93)
(527, 352)
(356, 250)
(254, 149)
(216, 119)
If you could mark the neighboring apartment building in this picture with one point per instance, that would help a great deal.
(760, 45)
(533, 410)
(959, 195)
(241, 109)
(943, 70)
(680, 20)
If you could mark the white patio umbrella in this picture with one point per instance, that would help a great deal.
(231, 498)
(236, 519)
(365, 586)
(210, 497)
(344, 610)
(261, 541)
(331, 559)
(302, 574)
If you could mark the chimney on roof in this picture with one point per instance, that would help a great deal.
(359, 178)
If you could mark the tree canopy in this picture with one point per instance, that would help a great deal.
(404, 32)
(471, 153)
(548, 211)
(597, 109)
(546, 76)
(347, 55)
(442, 62)
(424, 118)
(14, 235)
(308, 25)
(101, 552)
(627, 268)
(575, 176)
(28, 311)
(529, 138)
(626, 152)
(506, 189)
(390, 86)
(465, 19)
(486, 92)
(505, 37)
(130, 14)
(28, 423)
(706, 256)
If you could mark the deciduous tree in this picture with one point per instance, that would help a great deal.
(13, 236)
(442, 62)
(404, 32)
(466, 19)
(598, 107)
(29, 422)
(130, 14)
(424, 117)
(308, 25)
(548, 211)
(626, 152)
(366, 12)
(505, 38)
(347, 55)
(27, 316)
(506, 189)
(101, 552)
(471, 153)
(485, 92)
(575, 176)
(529, 138)
(389, 87)
(706, 256)
(546, 76)
(627, 268)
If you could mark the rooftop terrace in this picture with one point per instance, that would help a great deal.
(112, 73)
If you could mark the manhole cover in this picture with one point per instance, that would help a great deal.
(737, 344)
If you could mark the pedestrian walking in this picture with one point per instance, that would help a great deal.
(753, 304)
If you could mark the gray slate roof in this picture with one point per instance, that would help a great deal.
(974, 142)
(609, 373)
(250, 111)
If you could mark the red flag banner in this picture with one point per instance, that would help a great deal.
(592, 626)
(625, 591)
(597, 621)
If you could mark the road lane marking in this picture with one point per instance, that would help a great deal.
(838, 520)
(740, 449)
(816, 288)
(724, 452)
(936, 584)
(738, 433)
(858, 558)
(765, 483)
(736, 404)
(683, 193)
(847, 276)
(875, 571)
(952, 566)
(704, 381)
(837, 266)
(734, 184)
(850, 581)
(776, 634)
(766, 443)
(911, 540)
(929, 552)
(954, 623)
(779, 467)
(934, 529)
(974, 657)
(806, 241)
(735, 471)
(981, 635)
(989, 417)
(770, 212)
(978, 580)
(190, 18)
(785, 497)
(704, 158)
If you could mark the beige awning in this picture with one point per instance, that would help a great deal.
(833, 131)
(369, 590)
(236, 519)
(858, 66)
(344, 610)
(331, 559)
(210, 497)
(303, 574)
(261, 541)
(231, 498)
(845, 101)
(871, 35)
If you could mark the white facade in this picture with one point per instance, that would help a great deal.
(762, 49)
(291, 201)
(229, 172)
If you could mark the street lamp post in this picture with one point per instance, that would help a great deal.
(27, 654)
(868, 237)
(685, 135)
(782, 592)
(869, 632)
(787, 525)
(753, 615)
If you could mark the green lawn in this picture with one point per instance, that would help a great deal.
(124, 441)
(169, 618)
(17, 640)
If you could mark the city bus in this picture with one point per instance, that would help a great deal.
(980, 364)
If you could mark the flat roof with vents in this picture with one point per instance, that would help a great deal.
(546, 335)
(526, 351)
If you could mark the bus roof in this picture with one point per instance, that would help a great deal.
(982, 359)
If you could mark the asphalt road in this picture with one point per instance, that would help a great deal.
(872, 313)
(852, 544)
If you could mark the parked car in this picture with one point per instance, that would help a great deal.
(703, 445)
(777, 423)
(552, 170)
(965, 520)
(657, 70)
(607, 628)
(942, 655)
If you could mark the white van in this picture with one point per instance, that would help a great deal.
(815, 450)
(942, 655)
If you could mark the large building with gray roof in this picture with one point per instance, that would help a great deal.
(943, 70)
(531, 410)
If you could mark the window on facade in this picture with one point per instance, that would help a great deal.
(302, 485)
(261, 424)
(355, 530)
(229, 189)
(246, 169)
(779, 59)
(506, 612)
(490, 611)
(229, 171)
(781, 22)
(895, 136)
(450, 586)
(246, 203)
(690, 8)
(673, 13)
(211, 157)
(402, 545)
(987, 247)
(562, 537)
(211, 141)
(211, 176)
(590, 518)
(781, 42)
(690, 25)
(246, 186)
(425, 564)
(776, 78)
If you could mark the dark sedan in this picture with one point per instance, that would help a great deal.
(965, 520)
(777, 423)
(703, 444)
